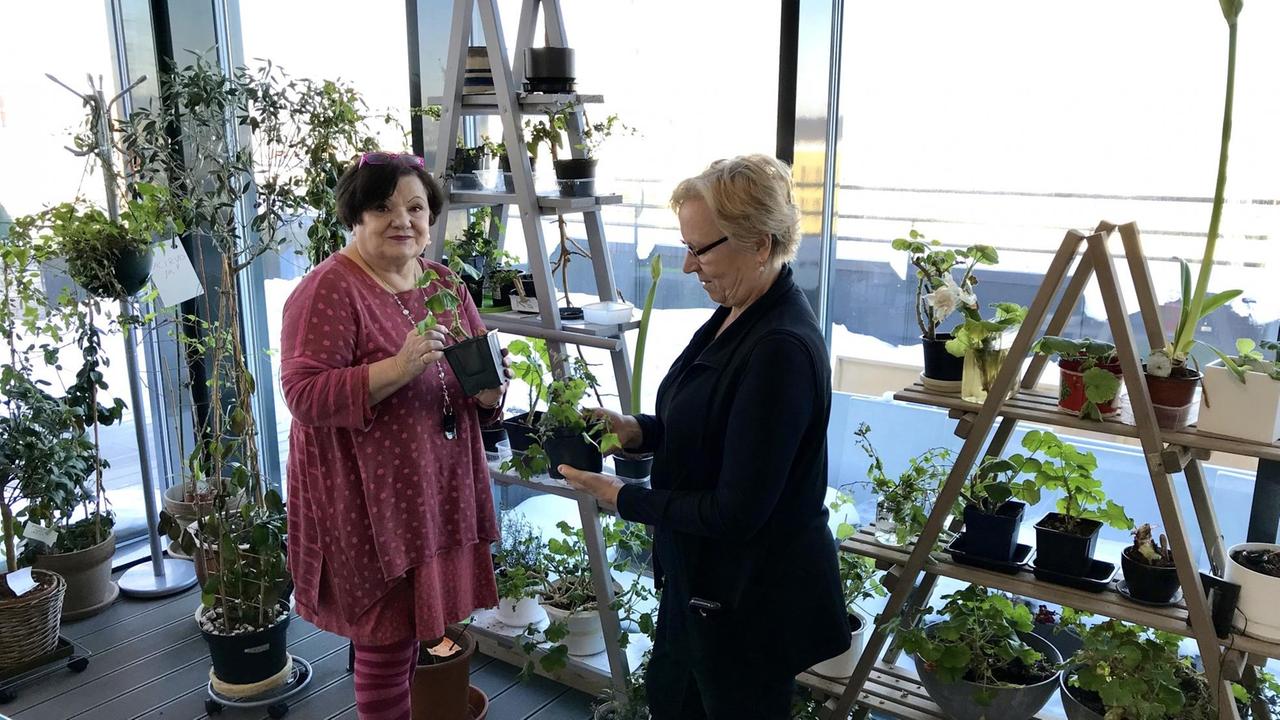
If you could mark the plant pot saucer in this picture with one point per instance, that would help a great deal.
(298, 678)
(944, 387)
(1021, 555)
(1096, 580)
(113, 592)
(175, 551)
(1122, 587)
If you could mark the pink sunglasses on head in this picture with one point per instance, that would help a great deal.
(387, 158)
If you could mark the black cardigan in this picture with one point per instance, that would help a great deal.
(738, 484)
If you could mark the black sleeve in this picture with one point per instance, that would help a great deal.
(762, 436)
(651, 432)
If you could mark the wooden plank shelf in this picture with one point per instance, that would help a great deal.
(487, 103)
(1108, 603)
(890, 690)
(518, 323)
(1042, 408)
(547, 204)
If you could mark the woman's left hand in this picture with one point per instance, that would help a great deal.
(603, 487)
(492, 397)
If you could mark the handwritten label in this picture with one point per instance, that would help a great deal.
(174, 276)
(40, 533)
(20, 581)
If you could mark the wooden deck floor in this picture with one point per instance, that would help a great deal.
(149, 661)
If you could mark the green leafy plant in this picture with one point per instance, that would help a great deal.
(1146, 549)
(978, 641)
(1100, 386)
(1069, 470)
(1249, 357)
(642, 336)
(443, 304)
(938, 295)
(908, 497)
(995, 482)
(473, 243)
(859, 581)
(978, 335)
(565, 415)
(519, 564)
(549, 131)
(530, 364)
(1265, 694)
(91, 243)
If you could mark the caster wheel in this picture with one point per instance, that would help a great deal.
(78, 664)
(212, 707)
(278, 710)
(7, 696)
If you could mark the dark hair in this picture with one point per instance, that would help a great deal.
(363, 187)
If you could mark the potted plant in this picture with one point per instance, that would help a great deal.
(982, 660)
(468, 255)
(1255, 567)
(109, 259)
(858, 578)
(569, 435)
(1171, 382)
(548, 70)
(442, 678)
(1089, 375)
(981, 344)
(938, 295)
(630, 704)
(1065, 539)
(530, 364)
(476, 361)
(575, 176)
(1061, 636)
(1242, 393)
(520, 572)
(628, 465)
(903, 503)
(1149, 571)
(502, 279)
(995, 502)
(1127, 672)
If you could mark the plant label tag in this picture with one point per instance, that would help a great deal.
(40, 533)
(174, 277)
(20, 581)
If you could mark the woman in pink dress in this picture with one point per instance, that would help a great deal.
(390, 511)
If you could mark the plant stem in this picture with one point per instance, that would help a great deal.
(10, 554)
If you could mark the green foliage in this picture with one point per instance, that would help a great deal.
(549, 131)
(519, 561)
(976, 334)
(1100, 386)
(443, 302)
(996, 482)
(565, 415)
(859, 581)
(908, 497)
(637, 372)
(1069, 470)
(1265, 694)
(934, 273)
(1249, 357)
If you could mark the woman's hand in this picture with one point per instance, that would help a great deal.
(492, 397)
(624, 426)
(603, 487)
(418, 352)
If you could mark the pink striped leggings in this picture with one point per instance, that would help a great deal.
(383, 677)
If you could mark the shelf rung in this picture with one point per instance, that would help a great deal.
(547, 204)
(487, 103)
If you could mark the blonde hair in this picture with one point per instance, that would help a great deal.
(750, 196)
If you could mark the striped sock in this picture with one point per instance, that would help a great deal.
(383, 674)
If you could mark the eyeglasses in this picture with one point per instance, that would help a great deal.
(388, 158)
(704, 250)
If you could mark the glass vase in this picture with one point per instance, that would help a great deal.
(886, 528)
(981, 366)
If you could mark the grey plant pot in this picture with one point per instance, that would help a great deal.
(1074, 708)
(1020, 703)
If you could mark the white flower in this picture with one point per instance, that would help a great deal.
(947, 299)
(1159, 364)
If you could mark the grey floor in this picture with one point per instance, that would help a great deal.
(149, 661)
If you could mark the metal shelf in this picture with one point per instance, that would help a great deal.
(547, 204)
(520, 323)
(487, 103)
(547, 484)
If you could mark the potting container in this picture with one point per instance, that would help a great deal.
(1064, 552)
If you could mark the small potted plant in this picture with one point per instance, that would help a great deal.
(903, 503)
(1255, 567)
(995, 501)
(628, 465)
(569, 435)
(548, 70)
(468, 255)
(575, 176)
(982, 660)
(938, 295)
(1148, 567)
(442, 679)
(1065, 539)
(476, 361)
(1242, 393)
(520, 572)
(109, 259)
(530, 364)
(1127, 672)
(982, 345)
(858, 578)
(630, 704)
(1089, 375)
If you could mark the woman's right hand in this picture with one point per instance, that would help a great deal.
(419, 351)
(625, 427)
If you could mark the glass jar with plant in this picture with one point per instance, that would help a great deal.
(628, 465)
(520, 571)
(476, 361)
(1127, 672)
(903, 503)
(938, 296)
(1065, 539)
(1149, 572)
(982, 345)
(1242, 393)
(860, 582)
(982, 660)
(995, 501)
(1090, 375)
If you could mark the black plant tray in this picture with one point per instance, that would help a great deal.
(1021, 555)
(1097, 579)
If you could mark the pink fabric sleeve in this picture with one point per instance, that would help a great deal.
(322, 386)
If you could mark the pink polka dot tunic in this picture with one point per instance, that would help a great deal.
(389, 522)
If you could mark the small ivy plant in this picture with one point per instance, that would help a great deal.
(1100, 386)
(908, 497)
(443, 303)
(565, 416)
(1069, 470)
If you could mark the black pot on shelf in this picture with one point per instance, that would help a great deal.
(251, 657)
(492, 436)
(520, 433)
(476, 362)
(549, 69)
(573, 450)
(633, 467)
(938, 363)
(1064, 552)
(576, 177)
(475, 287)
(1148, 582)
(993, 536)
(502, 292)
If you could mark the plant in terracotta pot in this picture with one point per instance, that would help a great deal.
(995, 501)
(938, 295)
(1147, 564)
(981, 343)
(476, 361)
(628, 465)
(1065, 539)
(1090, 375)
(860, 583)
(1242, 393)
(903, 503)
(982, 660)
(520, 571)
(442, 679)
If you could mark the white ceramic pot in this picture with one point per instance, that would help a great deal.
(586, 635)
(520, 613)
(842, 665)
(1257, 614)
(1248, 410)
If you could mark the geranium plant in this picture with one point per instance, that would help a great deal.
(938, 294)
(1069, 470)
(1091, 358)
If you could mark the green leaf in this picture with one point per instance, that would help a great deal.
(1100, 386)
(1213, 302)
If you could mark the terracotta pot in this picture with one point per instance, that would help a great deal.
(442, 690)
(1173, 398)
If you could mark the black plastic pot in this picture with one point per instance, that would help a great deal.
(633, 467)
(477, 362)
(251, 657)
(938, 363)
(520, 433)
(993, 536)
(1148, 582)
(574, 451)
(492, 436)
(1066, 553)
(576, 176)
(502, 292)
(133, 269)
(504, 165)
(549, 69)
(475, 287)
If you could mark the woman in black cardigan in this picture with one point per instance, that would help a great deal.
(750, 586)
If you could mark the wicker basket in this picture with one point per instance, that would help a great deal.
(29, 625)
